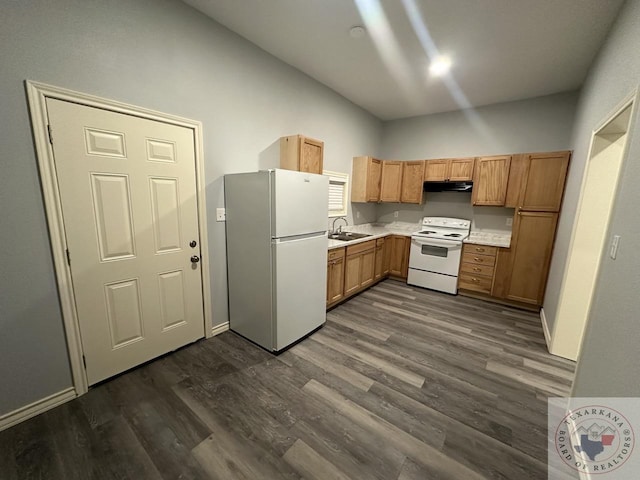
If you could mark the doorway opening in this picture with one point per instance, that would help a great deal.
(600, 183)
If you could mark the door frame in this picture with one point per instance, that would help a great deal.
(560, 347)
(37, 94)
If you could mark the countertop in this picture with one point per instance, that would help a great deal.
(376, 230)
(489, 239)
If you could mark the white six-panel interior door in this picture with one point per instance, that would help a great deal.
(129, 202)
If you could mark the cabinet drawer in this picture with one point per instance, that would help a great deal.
(480, 249)
(478, 259)
(380, 241)
(335, 254)
(477, 269)
(361, 247)
(473, 282)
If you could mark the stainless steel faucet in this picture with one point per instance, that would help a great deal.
(333, 225)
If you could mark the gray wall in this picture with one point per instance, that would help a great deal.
(161, 55)
(537, 124)
(609, 362)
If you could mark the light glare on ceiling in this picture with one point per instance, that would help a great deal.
(439, 66)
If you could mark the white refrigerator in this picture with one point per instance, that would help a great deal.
(276, 228)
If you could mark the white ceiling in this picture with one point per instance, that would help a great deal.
(501, 50)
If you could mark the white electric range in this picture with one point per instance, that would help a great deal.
(436, 250)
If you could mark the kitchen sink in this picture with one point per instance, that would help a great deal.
(346, 236)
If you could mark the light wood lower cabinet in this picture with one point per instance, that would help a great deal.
(530, 257)
(359, 266)
(335, 275)
(477, 268)
(356, 267)
(379, 263)
(399, 256)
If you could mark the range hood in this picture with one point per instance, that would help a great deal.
(447, 186)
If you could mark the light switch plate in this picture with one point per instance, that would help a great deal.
(614, 246)
(221, 214)
(509, 221)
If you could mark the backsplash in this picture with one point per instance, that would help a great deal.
(448, 204)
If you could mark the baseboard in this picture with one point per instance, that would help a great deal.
(40, 406)
(545, 329)
(218, 329)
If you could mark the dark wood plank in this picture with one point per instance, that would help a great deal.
(401, 383)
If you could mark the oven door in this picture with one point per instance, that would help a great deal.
(432, 255)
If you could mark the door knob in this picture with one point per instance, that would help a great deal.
(195, 259)
(193, 244)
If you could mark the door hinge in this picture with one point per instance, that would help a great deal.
(68, 258)
(84, 361)
(50, 134)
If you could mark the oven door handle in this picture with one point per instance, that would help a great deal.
(437, 243)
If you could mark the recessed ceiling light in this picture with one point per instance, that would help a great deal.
(439, 66)
(357, 31)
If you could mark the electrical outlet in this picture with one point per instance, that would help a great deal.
(357, 214)
(221, 214)
(509, 221)
(395, 214)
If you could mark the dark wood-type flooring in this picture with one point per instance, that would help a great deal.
(401, 383)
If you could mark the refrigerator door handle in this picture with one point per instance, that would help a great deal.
(305, 236)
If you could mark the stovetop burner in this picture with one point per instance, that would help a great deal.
(443, 228)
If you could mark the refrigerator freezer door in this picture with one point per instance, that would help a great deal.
(300, 287)
(300, 203)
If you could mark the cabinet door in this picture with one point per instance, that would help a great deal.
(386, 256)
(530, 256)
(461, 169)
(405, 256)
(412, 180)
(335, 280)
(436, 170)
(352, 269)
(311, 153)
(490, 180)
(544, 181)
(374, 176)
(391, 181)
(399, 263)
(368, 268)
(379, 266)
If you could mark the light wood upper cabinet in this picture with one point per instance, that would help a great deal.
(301, 153)
(490, 179)
(391, 184)
(449, 170)
(544, 181)
(436, 170)
(366, 174)
(412, 180)
(461, 169)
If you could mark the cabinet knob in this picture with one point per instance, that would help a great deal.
(475, 280)
(476, 269)
(478, 249)
(477, 259)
